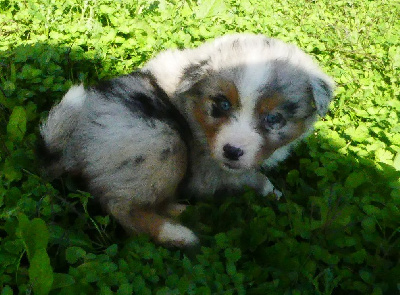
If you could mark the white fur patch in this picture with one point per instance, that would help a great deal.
(177, 235)
(63, 118)
(75, 96)
(168, 67)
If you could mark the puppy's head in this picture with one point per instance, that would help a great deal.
(253, 98)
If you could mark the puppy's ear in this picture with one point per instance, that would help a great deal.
(192, 75)
(322, 90)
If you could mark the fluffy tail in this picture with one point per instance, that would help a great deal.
(58, 127)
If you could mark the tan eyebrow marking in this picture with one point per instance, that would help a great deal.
(268, 104)
(230, 91)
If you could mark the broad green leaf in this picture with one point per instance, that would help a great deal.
(357, 257)
(112, 250)
(366, 276)
(8, 103)
(210, 8)
(7, 290)
(108, 267)
(230, 268)
(368, 224)
(292, 177)
(16, 126)
(73, 254)
(9, 89)
(11, 172)
(233, 254)
(372, 210)
(384, 156)
(355, 179)
(29, 72)
(396, 161)
(125, 289)
(358, 134)
(222, 240)
(394, 54)
(34, 234)
(61, 280)
(40, 272)
(378, 290)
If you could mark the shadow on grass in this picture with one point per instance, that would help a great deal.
(33, 78)
(337, 225)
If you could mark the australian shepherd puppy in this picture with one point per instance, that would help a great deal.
(194, 121)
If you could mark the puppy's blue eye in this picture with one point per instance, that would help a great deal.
(221, 106)
(225, 105)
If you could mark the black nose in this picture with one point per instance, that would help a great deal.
(232, 153)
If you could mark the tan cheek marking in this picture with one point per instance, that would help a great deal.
(270, 147)
(209, 124)
(298, 129)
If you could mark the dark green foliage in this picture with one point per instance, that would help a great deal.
(337, 229)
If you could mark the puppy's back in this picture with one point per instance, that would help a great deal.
(115, 134)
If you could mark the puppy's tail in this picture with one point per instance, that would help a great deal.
(57, 129)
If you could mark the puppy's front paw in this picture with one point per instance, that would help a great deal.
(268, 188)
(177, 235)
(278, 194)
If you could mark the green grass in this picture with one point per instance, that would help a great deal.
(336, 231)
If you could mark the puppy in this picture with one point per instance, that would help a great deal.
(194, 121)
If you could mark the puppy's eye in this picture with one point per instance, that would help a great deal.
(221, 106)
(274, 118)
(225, 105)
(274, 121)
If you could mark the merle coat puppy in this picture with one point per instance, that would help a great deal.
(200, 119)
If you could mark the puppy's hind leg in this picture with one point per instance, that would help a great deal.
(143, 219)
